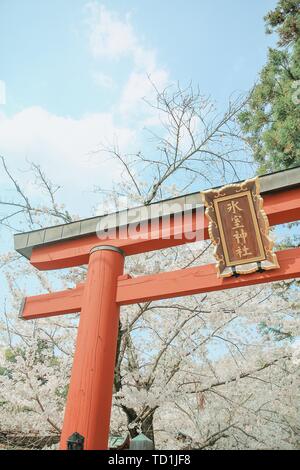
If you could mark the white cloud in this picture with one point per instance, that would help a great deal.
(108, 35)
(103, 80)
(63, 146)
(139, 86)
(34, 130)
(2, 92)
(112, 37)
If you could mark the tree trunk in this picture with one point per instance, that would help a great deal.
(146, 425)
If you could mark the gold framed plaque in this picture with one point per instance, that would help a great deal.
(239, 229)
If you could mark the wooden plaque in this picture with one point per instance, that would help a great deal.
(239, 229)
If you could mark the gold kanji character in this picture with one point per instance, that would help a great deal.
(240, 235)
(243, 251)
(233, 206)
(236, 219)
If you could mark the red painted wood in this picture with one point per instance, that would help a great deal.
(163, 285)
(55, 303)
(90, 393)
(281, 207)
(202, 279)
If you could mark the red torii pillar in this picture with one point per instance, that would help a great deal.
(89, 400)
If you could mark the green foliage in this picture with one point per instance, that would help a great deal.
(276, 332)
(284, 19)
(10, 356)
(62, 392)
(44, 352)
(271, 120)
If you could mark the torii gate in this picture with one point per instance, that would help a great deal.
(106, 288)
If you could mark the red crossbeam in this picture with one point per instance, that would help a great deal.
(281, 207)
(105, 290)
(177, 283)
(55, 303)
(202, 279)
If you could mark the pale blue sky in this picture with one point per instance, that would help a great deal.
(46, 61)
(75, 72)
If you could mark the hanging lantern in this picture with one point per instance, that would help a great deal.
(141, 442)
(75, 442)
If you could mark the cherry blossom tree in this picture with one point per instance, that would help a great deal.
(212, 371)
